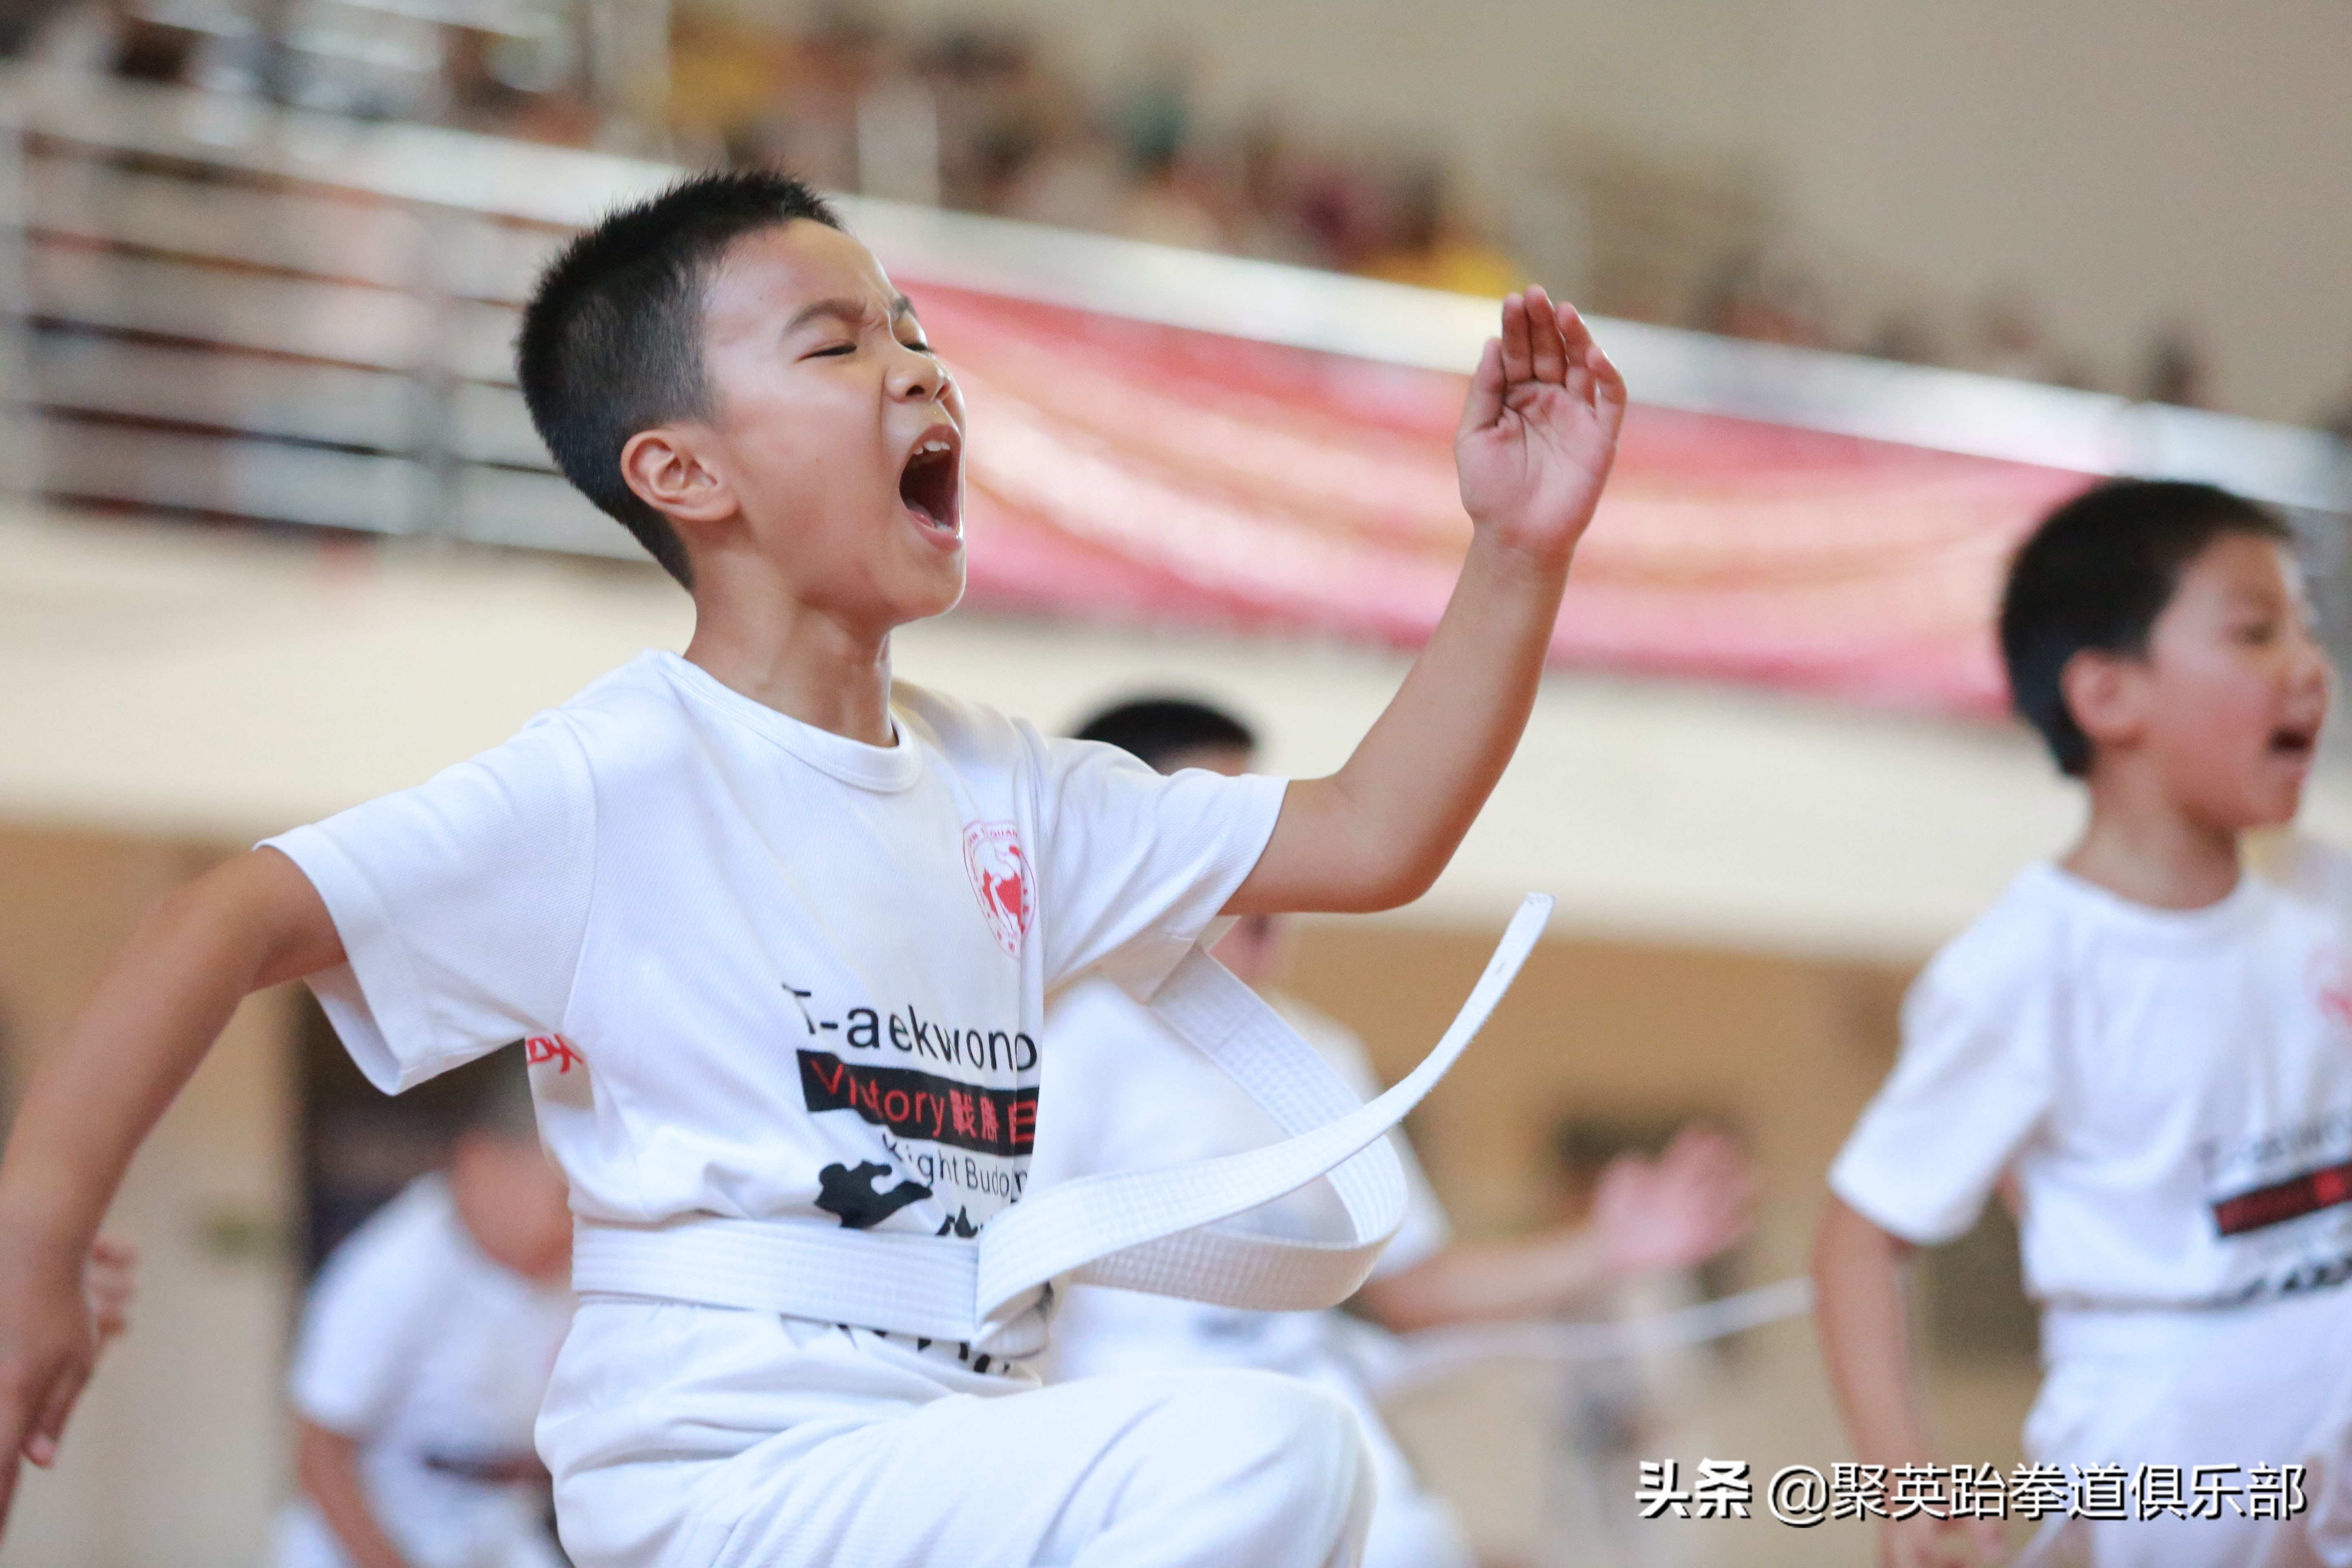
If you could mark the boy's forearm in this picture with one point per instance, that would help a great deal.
(1488, 1282)
(327, 1465)
(1865, 1324)
(1397, 811)
(161, 1003)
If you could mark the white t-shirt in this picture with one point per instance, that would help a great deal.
(2172, 1089)
(1123, 1092)
(764, 971)
(434, 1359)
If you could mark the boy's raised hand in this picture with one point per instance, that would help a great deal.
(1539, 430)
(1538, 433)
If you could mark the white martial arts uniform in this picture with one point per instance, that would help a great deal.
(1138, 1097)
(2172, 1091)
(768, 972)
(433, 1358)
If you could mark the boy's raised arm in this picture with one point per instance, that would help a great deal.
(1538, 435)
(250, 923)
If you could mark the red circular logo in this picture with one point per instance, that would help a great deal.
(1001, 877)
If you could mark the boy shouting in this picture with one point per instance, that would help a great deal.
(780, 933)
(2152, 1048)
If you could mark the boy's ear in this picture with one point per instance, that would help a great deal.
(665, 469)
(2107, 695)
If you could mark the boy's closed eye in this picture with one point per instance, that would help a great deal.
(2260, 633)
(835, 350)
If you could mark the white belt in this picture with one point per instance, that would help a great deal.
(1140, 1230)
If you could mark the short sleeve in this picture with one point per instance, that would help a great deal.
(1969, 1089)
(369, 1316)
(461, 904)
(1135, 864)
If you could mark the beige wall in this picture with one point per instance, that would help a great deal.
(174, 1457)
(2126, 163)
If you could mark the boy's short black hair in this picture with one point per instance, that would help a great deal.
(2094, 576)
(612, 341)
(1155, 729)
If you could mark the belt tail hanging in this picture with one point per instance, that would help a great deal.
(1147, 1230)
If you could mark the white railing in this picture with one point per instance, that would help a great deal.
(224, 307)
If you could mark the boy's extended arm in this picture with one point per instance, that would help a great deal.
(326, 1467)
(1649, 1216)
(1865, 1322)
(250, 923)
(1537, 434)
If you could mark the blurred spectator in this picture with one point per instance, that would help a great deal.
(1167, 202)
(724, 76)
(2176, 370)
(527, 87)
(21, 20)
(979, 116)
(424, 1355)
(1431, 247)
(1766, 297)
(2009, 341)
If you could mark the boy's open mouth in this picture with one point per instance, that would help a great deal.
(928, 485)
(2294, 742)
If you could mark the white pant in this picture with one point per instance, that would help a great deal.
(2264, 1384)
(686, 1437)
(1103, 1332)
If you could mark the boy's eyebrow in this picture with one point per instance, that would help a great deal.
(846, 309)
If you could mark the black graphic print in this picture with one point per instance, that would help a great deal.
(852, 1194)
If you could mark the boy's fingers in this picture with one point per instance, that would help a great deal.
(1485, 404)
(1518, 356)
(1547, 350)
(49, 1430)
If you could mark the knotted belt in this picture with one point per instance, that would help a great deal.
(1153, 1230)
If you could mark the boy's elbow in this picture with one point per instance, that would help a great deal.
(1389, 882)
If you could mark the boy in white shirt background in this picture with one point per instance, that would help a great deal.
(1149, 1099)
(424, 1354)
(778, 933)
(2146, 1045)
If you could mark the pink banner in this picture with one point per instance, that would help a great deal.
(1128, 472)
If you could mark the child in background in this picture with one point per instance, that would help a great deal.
(424, 1355)
(1142, 1097)
(2151, 1045)
(785, 929)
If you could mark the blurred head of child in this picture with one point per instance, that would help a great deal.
(509, 1195)
(1170, 735)
(734, 377)
(2155, 634)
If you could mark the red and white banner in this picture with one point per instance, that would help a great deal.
(1129, 471)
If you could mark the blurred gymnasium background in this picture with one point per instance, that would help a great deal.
(278, 537)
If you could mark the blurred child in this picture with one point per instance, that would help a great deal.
(781, 930)
(1143, 1096)
(2149, 1047)
(424, 1355)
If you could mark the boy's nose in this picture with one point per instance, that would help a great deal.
(918, 377)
